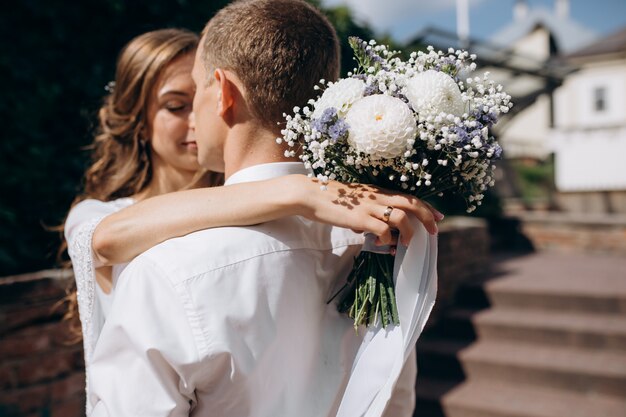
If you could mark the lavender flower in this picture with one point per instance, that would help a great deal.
(338, 130)
(463, 137)
(364, 51)
(488, 118)
(318, 125)
(328, 116)
(370, 90)
(497, 151)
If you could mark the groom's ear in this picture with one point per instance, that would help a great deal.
(226, 92)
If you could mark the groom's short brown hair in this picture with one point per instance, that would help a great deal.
(279, 49)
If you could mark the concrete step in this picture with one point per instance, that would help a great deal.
(560, 282)
(473, 399)
(577, 370)
(584, 330)
(511, 297)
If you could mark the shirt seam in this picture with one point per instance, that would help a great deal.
(355, 242)
(202, 340)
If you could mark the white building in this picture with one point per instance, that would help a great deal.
(536, 37)
(569, 92)
(589, 134)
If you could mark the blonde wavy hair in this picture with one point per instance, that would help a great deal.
(121, 160)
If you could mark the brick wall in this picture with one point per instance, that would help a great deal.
(42, 376)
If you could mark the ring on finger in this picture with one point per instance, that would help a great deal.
(387, 214)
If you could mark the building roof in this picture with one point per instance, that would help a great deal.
(614, 43)
(568, 34)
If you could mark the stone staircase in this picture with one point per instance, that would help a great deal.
(547, 338)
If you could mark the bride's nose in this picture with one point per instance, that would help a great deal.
(192, 121)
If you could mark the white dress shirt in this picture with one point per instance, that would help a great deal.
(94, 304)
(230, 322)
(233, 322)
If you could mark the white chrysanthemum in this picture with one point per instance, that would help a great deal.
(340, 95)
(433, 92)
(380, 126)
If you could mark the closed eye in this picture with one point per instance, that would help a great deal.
(176, 106)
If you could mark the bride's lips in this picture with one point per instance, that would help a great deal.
(191, 144)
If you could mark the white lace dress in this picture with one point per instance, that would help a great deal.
(93, 303)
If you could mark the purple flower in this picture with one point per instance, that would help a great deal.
(331, 125)
(319, 125)
(338, 130)
(362, 47)
(370, 90)
(497, 151)
(464, 138)
(374, 57)
(488, 119)
(328, 117)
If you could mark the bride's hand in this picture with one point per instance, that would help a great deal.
(362, 208)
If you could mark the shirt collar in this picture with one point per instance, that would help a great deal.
(266, 171)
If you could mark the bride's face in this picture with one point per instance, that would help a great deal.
(171, 140)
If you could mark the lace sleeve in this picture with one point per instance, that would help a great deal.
(81, 253)
(79, 228)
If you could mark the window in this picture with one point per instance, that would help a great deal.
(599, 99)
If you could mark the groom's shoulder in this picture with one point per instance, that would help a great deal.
(216, 248)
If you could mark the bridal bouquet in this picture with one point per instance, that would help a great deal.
(419, 126)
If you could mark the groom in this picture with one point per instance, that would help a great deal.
(233, 321)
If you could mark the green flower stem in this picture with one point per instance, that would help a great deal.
(371, 295)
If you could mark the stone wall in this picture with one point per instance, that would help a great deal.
(464, 256)
(42, 375)
(592, 202)
(575, 232)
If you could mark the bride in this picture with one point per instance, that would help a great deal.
(145, 185)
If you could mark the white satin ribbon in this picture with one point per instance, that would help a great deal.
(383, 352)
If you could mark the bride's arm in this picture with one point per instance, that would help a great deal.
(125, 234)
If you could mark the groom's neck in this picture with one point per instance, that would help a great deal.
(250, 145)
